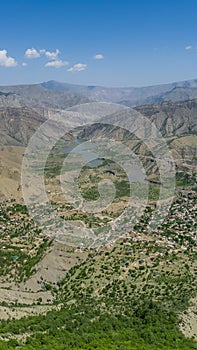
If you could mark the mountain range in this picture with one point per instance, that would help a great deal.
(37, 96)
(131, 96)
(53, 94)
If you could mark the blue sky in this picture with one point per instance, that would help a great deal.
(98, 42)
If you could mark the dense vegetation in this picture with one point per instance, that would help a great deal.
(145, 326)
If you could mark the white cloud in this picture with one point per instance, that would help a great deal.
(24, 64)
(98, 56)
(32, 53)
(188, 47)
(56, 64)
(50, 55)
(6, 61)
(77, 67)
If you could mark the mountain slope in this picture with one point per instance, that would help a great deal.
(18, 124)
(37, 96)
(128, 295)
(172, 118)
(177, 122)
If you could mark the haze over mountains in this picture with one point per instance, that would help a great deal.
(132, 96)
(53, 94)
(24, 108)
(37, 96)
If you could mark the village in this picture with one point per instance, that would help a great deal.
(23, 244)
